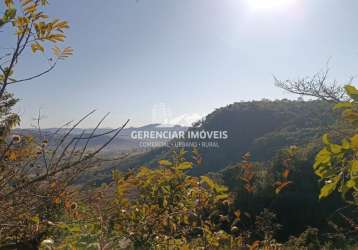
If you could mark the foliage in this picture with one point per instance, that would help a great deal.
(31, 27)
(160, 208)
(9, 119)
(337, 164)
(165, 206)
(36, 173)
(309, 239)
(171, 206)
(25, 200)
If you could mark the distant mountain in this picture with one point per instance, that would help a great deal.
(259, 127)
(124, 142)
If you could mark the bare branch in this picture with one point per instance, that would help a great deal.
(92, 134)
(66, 166)
(69, 132)
(35, 76)
(316, 86)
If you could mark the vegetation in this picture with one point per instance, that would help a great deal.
(36, 174)
(294, 192)
(260, 127)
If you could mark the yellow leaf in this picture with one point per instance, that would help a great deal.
(56, 200)
(351, 91)
(56, 38)
(354, 142)
(31, 9)
(329, 187)
(60, 25)
(12, 156)
(36, 219)
(165, 163)
(345, 144)
(25, 2)
(354, 169)
(36, 46)
(184, 166)
(281, 186)
(9, 3)
(208, 181)
(335, 148)
(325, 139)
(343, 105)
(185, 247)
(323, 157)
(285, 173)
(56, 51)
(255, 245)
(22, 21)
(237, 214)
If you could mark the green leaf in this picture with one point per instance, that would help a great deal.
(325, 139)
(37, 46)
(9, 15)
(350, 115)
(36, 219)
(335, 149)
(352, 92)
(221, 197)
(165, 163)
(324, 172)
(8, 71)
(345, 144)
(354, 142)
(329, 187)
(221, 188)
(74, 228)
(351, 183)
(344, 189)
(343, 105)
(184, 166)
(354, 169)
(208, 181)
(323, 157)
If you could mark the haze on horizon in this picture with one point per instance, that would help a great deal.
(190, 56)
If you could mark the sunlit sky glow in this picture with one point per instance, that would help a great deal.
(193, 56)
(271, 5)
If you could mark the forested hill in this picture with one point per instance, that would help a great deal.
(259, 127)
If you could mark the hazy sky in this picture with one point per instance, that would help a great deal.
(190, 56)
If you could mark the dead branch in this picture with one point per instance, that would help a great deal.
(317, 86)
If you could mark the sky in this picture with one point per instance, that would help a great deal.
(174, 61)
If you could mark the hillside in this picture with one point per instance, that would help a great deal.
(260, 127)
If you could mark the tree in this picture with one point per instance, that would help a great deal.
(317, 86)
(160, 208)
(31, 28)
(337, 163)
(36, 172)
(27, 26)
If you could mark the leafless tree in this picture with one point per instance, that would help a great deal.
(318, 86)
